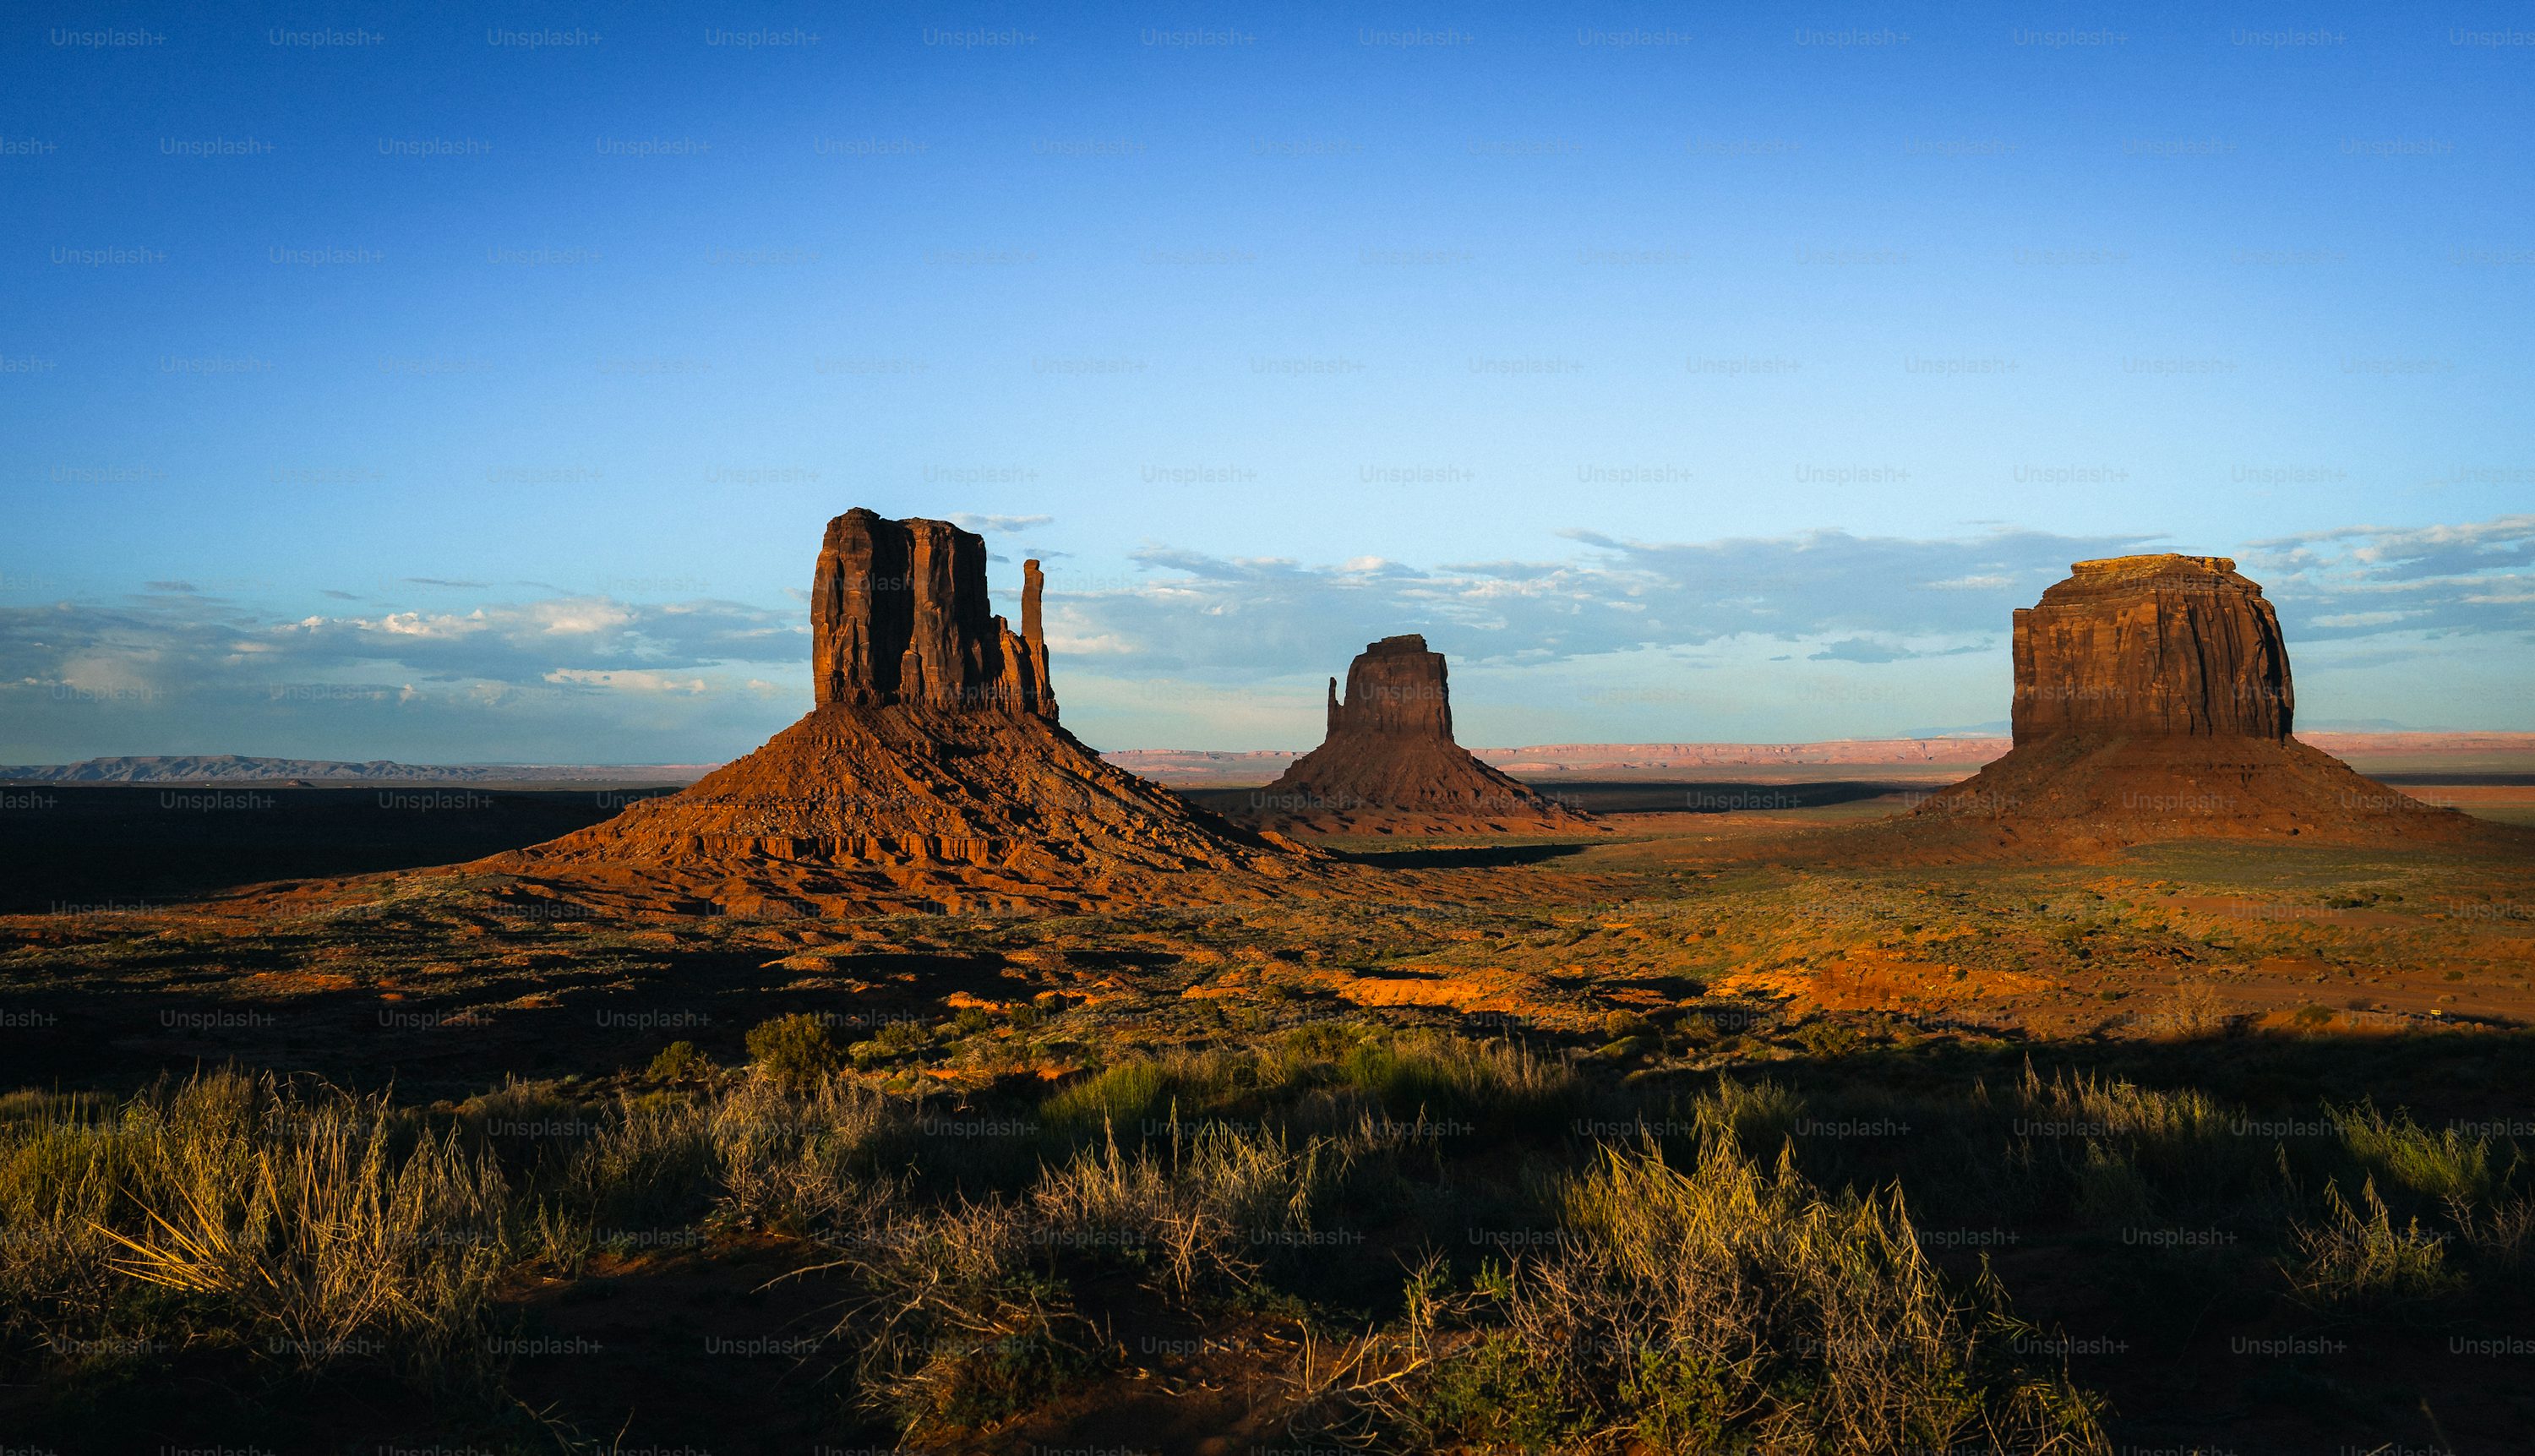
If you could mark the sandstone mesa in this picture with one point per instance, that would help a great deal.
(2153, 702)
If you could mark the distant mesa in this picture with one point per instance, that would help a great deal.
(2153, 702)
(1389, 765)
(930, 777)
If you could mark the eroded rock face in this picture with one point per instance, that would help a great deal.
(2152, 703)
(932, 775)
(2152, 645)
(1395, 688)
(898, 616)
(1390, 753)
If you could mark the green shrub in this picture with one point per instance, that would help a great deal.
(1496, 1393)
(956, 1330)
(894, 1041)
(678, 1061)
(1828, 1038)
(1619, 1026)
(1039, 1350)
(795, 1051)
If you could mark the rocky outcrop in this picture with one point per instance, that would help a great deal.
(1389, 765)
(899, 614)
(2153, 702)
(1395, 688)
(930, 776)
(2162, 644)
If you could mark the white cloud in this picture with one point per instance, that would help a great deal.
(550, 676)
(971, 521)
(2469, 577)
(1205, 614)
(582, 617)
(628, 680)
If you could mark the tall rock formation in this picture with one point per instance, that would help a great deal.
(930, 775)
(899, 614)
(2153, 702)
(1390, 764)
(2160, 644)
(1395, 688)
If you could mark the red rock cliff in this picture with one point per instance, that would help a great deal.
(1395, 688)
(899, 614)
(2152, 703)
(2152, 645)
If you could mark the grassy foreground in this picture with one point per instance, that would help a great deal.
(1402, 1241)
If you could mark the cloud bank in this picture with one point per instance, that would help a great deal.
(2371, 610)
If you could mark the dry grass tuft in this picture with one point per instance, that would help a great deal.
(2449, 1165)
(2360, 1261)
(323, 1225)
(1728, 1308)
(1199, 1212)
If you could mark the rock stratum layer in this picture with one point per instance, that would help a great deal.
(2153, 702)
(1389, 765)
(931, 776)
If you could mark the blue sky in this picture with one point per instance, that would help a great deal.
(468, 383)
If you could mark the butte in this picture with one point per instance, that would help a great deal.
(2153, 702)
(1389, 765)
(931, 776)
